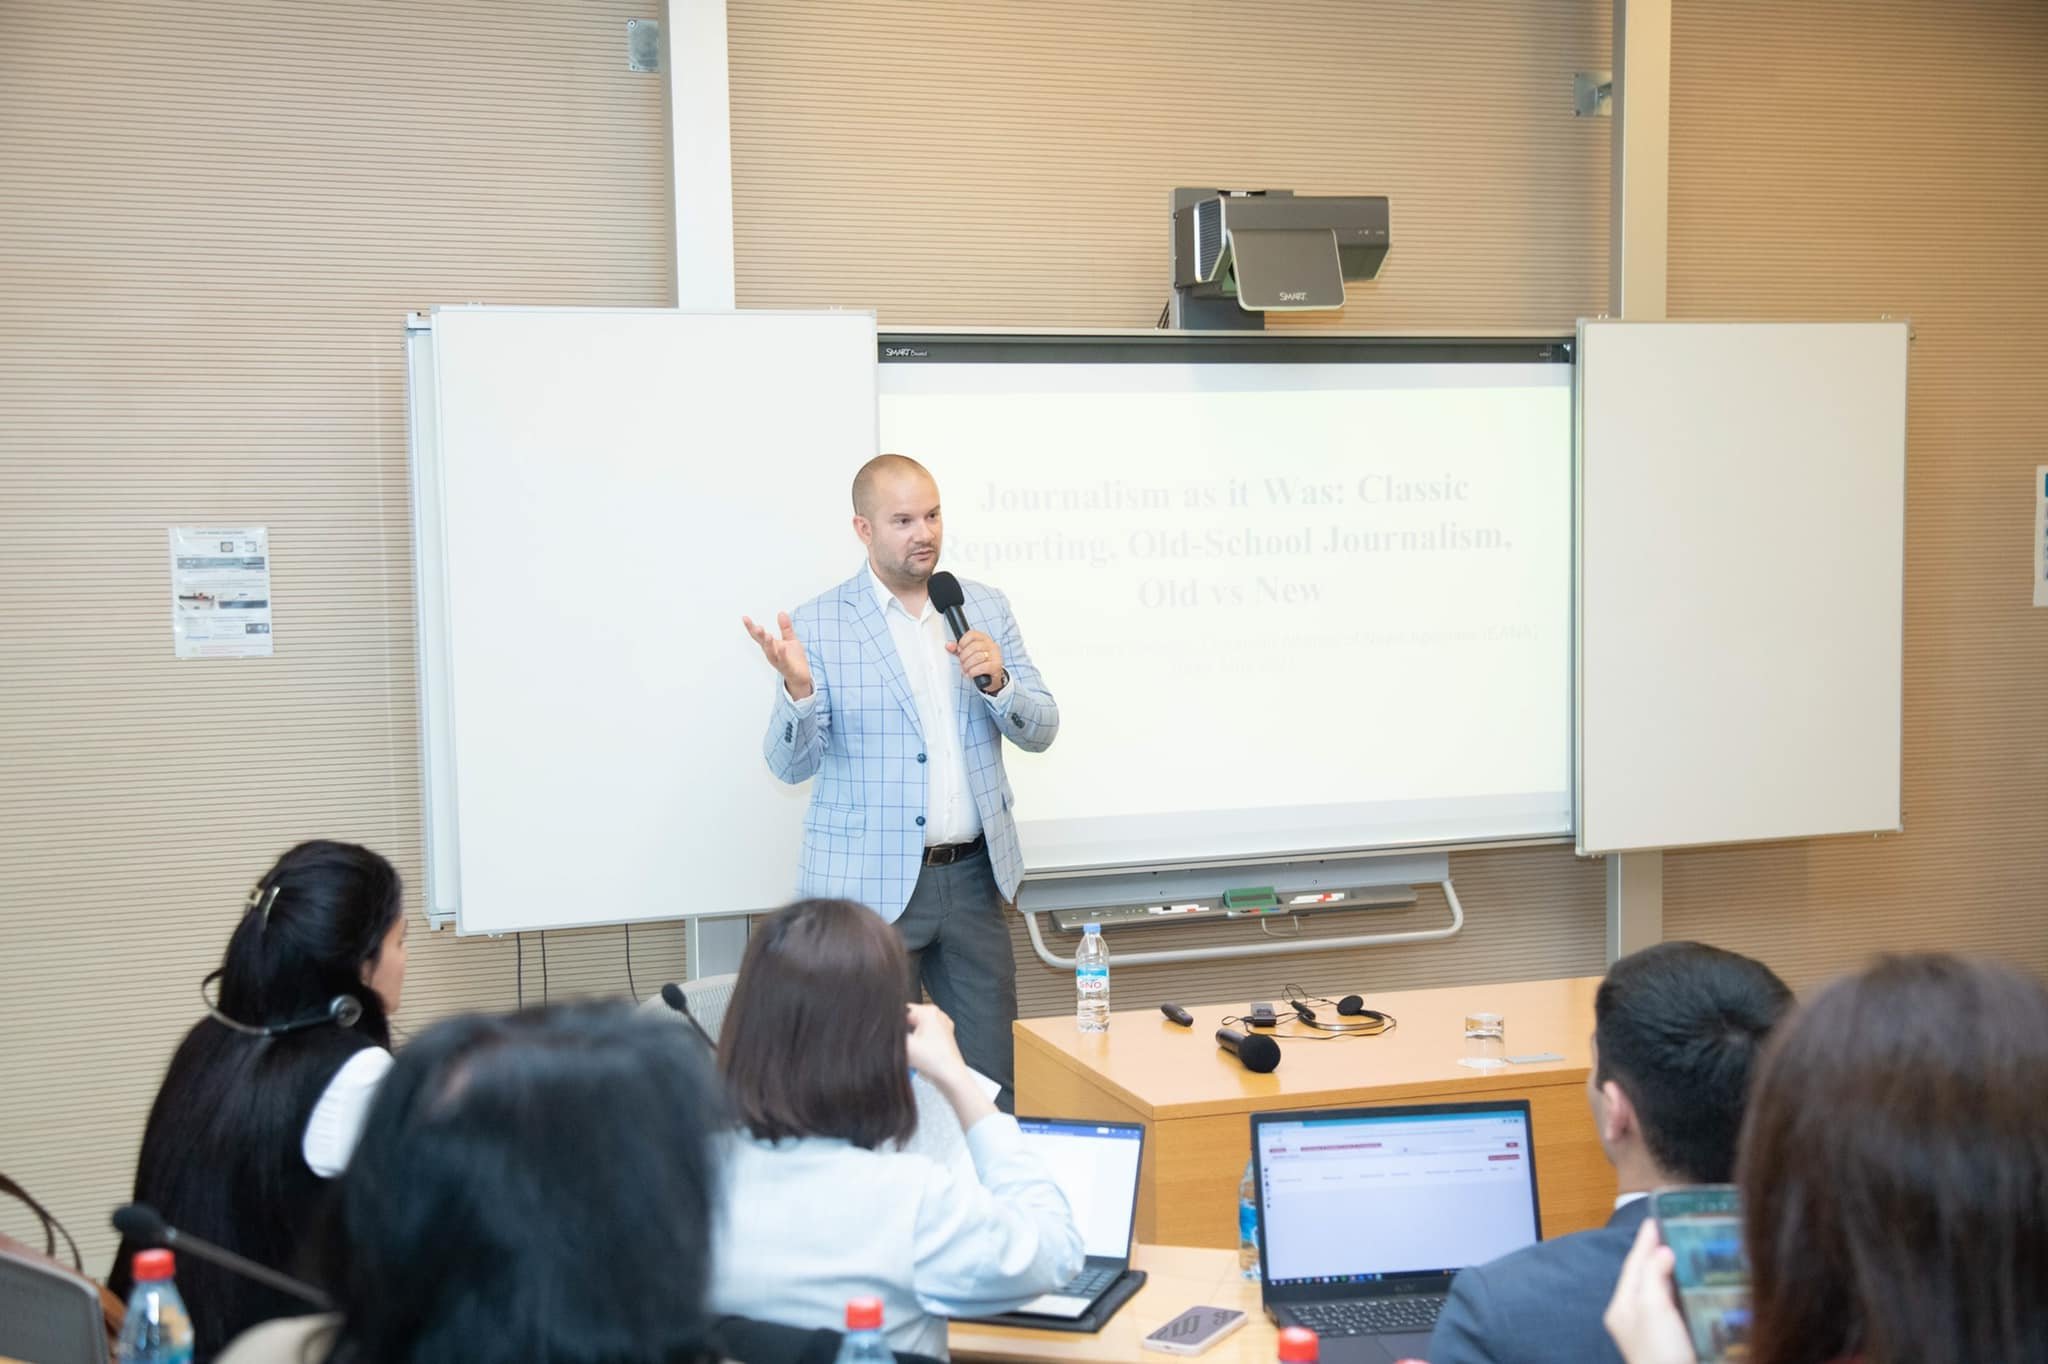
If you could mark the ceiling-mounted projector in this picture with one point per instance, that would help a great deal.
(1270, 250)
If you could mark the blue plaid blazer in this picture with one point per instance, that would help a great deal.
(862, 740)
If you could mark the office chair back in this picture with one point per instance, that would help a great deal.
(707, 998)
(47, 1313)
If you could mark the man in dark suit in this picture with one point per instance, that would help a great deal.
(1677, 1029)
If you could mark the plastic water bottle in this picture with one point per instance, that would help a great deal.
(1248, 1221)
(1299, 1345)
(157, 1329)
(1091, 981)
(862, 1343)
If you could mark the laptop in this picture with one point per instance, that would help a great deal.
(1096, 1166)
(1365, 1214)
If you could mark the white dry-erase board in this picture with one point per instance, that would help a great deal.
(599, 496)
(1741, 497)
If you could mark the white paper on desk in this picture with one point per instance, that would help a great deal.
(938, 1132)
(2041, 535)
(1056, 1305)
(220, 591)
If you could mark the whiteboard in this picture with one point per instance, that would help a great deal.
(599, 496)
(1741, 500)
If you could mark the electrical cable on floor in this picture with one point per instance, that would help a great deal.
(631, 988)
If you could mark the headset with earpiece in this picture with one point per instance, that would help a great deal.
(343, 1011)
(1357, 1021)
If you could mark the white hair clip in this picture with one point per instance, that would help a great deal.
(261, 900)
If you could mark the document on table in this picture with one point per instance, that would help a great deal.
(220, 591)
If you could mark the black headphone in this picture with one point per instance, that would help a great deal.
(344, 1011)
(1368, 1021)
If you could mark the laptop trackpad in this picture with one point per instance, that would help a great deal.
(1374, 1349)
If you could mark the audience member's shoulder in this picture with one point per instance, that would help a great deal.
(289, 1340)
(885, 1161)
(1557, 1264)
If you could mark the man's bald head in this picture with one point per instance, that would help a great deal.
(875, 472)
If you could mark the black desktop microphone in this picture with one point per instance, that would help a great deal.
(672, 995)
(146, 1227)
(1254, 1051)
(944, 590)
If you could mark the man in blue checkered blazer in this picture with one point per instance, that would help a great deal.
(910, 812)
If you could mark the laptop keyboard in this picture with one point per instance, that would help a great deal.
(1089, 1282)
(1368, 1316)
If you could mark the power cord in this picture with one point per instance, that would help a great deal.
(631, 988)
(1322, 1033)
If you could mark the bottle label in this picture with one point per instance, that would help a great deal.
(1247, 1222)
(1092, 977)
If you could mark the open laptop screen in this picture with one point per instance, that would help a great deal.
(1364, 1195)
(1096, 1167)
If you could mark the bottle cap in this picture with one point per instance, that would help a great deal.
(1090, 929)
(1298, 1346)
(865, 1314)
(153, 1264)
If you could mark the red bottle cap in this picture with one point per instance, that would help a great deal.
(865, 1314)
(153, 1264)
(1298, 1346)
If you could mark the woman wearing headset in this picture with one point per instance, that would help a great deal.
(265, 1097)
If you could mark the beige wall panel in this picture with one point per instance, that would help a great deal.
(215, 217)
(961, 163)
(1845, 159)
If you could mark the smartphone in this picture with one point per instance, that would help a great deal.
(1194, 1330)
(1703, 1226)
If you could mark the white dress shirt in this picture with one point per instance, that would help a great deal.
(949, 813)
(806, 1225)
(337, 1120)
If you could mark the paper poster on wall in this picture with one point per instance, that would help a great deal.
(220, 591)
(2041, 535)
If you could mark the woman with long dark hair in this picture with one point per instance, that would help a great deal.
(1894, 1178)
(532, 1186)
(264, 1099)
(822, 1203)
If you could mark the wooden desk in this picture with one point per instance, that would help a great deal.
(1195, 1098)
(1180, 1277)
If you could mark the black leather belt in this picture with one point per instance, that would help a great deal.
(947, 854)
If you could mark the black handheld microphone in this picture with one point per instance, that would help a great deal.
(944, 590)
(672, 995)
(1177, 1014)
(146, 1227)
(1256, 1052)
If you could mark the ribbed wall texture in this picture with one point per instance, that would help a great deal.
(961, 163)
(954, 163)
(1846, 159)
(213, 218)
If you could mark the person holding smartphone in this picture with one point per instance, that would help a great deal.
(1893, 1179)
(1677, 1029)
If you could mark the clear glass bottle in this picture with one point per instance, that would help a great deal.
(1248, 1221)
(862, 1343)
(157, 1329)
(1091, 981)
